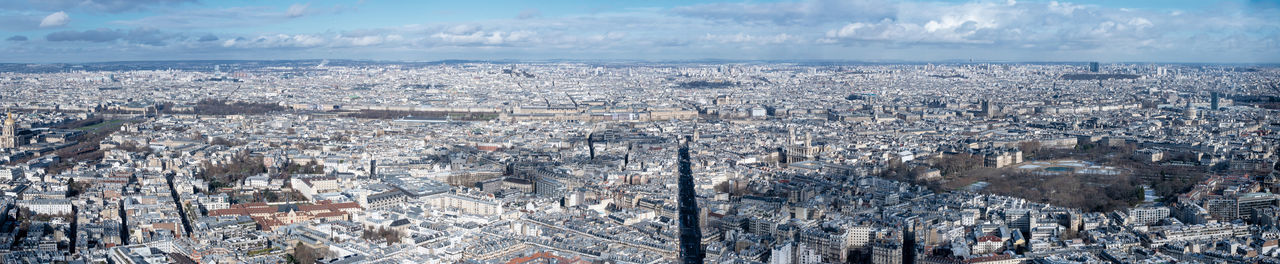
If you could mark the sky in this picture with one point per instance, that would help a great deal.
(1199, 31)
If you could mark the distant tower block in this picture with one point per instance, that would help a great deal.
(1093, 66)
(1214, 101)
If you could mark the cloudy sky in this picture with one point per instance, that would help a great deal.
(862, 30)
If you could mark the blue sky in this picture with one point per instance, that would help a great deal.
(861, 30)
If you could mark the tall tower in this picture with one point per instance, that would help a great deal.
(691, 250)
(1189, 111)
(1213, 101)
(791, 136)
(988, 110)
(808, 141)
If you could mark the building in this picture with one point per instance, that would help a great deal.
(783, 253)
(9, 138)
(999, 158)
(269, 217)
(1246, 204)
(857, 237)
(1148, 155)
(1198, 232)
(387, 199)
(468, 202)
(1093, 66)
(805, 254)
(311, 186)
(549, 187)
(214, 202)
(1215, 101)
(886, 253)
(47, 206)
(1146, 215)
(988, 109)
(1189, 111)
(1242, 206)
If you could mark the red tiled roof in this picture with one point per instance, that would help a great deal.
(546, 257)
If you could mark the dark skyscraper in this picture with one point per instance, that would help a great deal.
(690, 232)
(1213, 101)
(1093, 66)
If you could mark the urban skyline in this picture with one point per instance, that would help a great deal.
(566, 132)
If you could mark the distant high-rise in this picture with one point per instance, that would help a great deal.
(1213, 101)
(1093, 66)
(691, 250)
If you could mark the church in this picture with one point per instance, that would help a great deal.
(10, 138)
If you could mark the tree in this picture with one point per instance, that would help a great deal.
(224, 142)
(74, 188)
(391, 236)
(132, 147)
(310, 168)
(1030, 149)
(307, 255)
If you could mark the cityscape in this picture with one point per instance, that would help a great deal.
(141, 149)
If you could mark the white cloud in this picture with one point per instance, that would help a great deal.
(57, 19)
(366, 40)
(297, 10)
(463, 29)
(611, 36)
(787, 13)
(277, 41)
(223, 18)
(483, 38)
(1052, 26)
(529, 13)
(1063, 8)
(781, 30)
(751, 39)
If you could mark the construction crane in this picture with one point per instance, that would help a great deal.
(228, 96)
